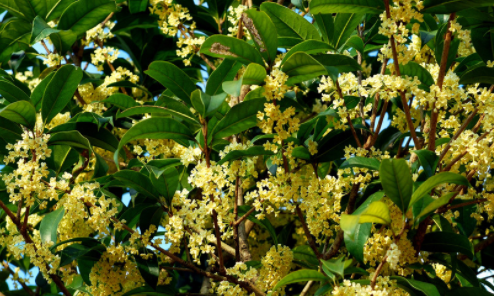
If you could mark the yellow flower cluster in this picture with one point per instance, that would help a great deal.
(384, 287)
(99, 33)
(275, 266)
(53, 59)
(104, 55)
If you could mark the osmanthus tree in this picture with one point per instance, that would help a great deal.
(227, 147)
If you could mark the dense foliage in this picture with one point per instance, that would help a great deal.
(246, 147)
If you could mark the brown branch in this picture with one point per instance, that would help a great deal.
(237, 222)
(311, 241)
(440, 80)
(396, 64)
(24, 286)
(235, 225)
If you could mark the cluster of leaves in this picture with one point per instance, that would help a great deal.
(328, 25)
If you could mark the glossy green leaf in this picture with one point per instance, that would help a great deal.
(149, 269)
(241, 117)
(302, 67)
(412, 69)
(151, 216)
(85, 14)
(21, 112)
(428, 160)
(171, 107)
(263, 32)
(221, 46)
(57, 9)
(60, 91)
(482, 74)
(155, 128)
(100, 167)
(49, 225)
(302, 275)
(483, 42)
(254, 74)
(361, 162)
(9, 130)
(226, 71)
(301, 152)
(41, 30)
(344, 25)
(288, 23)
(355, 244)
(447, 242)
(238, 154)
(376, 212)
(166, 184)
(121, 101)
(397, 182)
(441, 178)
(99, 137)
(233, 88)
(450, 6)
(346, 6)
(173, 79)
(136, 180)
(339, 61)
(336, 266)
(325, 24)
(12, 93)
(427, 288)
(70, 138)
(136, 6)
(308, 47)
(39, 91)
(435, 204)
(159, 166)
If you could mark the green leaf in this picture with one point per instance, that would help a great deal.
(156, 110)
(221, 46)
(136, 6)
(441, 178)
(60, 91)
(100, 167)
(241, 117)
(450, 6)
(166, 184)
(302, 67)
(12, 93)
(468, 291)
(305, 254)
(233, 88)
(100, 137)
(9, 130)
(159, 166)
(84, 15)
(263, 32)
(434, 205)
(301, 152)
(325, 24)
(226, 71)
(155, 128)
(49, 225)
(428, 160)
(447, 242)
(238, 154)
(70, 138)
(397, 182)
(149, 269)
(355, 245)
(121, 101)
(346, 6)
(288, 23)
(21, 112)
(254, 74)
(356, 43)
(265, 223)
(344, 25)
(336, 266)
(427, 288)
(136, 180)
(41, 30)
(339, 61)
(483, 42)
(361, 162)
(308, 47)
(39, 91)
(481, 74)
(174, 79)
(57, 9)
(376, 212)
(150, 216)
(412, 69)
(302, 275)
